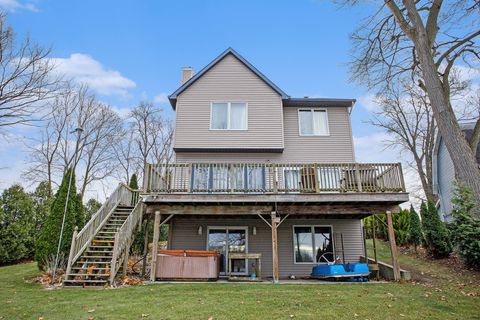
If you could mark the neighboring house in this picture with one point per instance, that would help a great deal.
(255, 171)
(444, 173)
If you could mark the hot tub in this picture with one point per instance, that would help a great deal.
(356, 271)
(187, 265)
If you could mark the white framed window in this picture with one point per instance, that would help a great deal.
(313, 244)
(313, 122)
(228, 116)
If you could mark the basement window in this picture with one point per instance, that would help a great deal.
(313, 244)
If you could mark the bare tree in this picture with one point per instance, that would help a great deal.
(405, 114)
(47, 151)
(26, 79)
(424, 40)
(102, 130)
(153, 134)
(126, 155)
(75, 108)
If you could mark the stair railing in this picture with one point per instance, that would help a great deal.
(124, 238)
(80, 240)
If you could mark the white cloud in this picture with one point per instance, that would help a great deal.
(122, 112)
(82, 68)
(368, 102)
(14, 5)
(161, 98)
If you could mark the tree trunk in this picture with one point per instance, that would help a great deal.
(465, 164)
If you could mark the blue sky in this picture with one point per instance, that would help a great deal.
(134, 50)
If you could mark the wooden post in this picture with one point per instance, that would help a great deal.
(113, 264)
(72, 250)
(156, 232)
(358, 178)
(393, 247)
(145, 247)
(374, 239)
(365, 243)
(125, 259)
(274, 247)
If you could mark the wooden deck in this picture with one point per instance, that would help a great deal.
(270, 178)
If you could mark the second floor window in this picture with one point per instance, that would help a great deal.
(228, 116)
(313, 122)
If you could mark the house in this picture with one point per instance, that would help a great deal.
(444, 173)
(256, 171)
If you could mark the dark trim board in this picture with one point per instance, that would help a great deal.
(231, 150)
(294, 210)
(385, 198)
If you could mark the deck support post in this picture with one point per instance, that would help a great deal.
(125, 259)
(145, 246)
(274, 224)
(393, 247)
(156, 233)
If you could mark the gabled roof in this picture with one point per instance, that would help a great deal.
(173, 96)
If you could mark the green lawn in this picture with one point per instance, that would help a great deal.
(443, 299)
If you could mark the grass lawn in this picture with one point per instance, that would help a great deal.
(447, 297)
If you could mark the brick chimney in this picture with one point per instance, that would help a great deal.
(187, 73)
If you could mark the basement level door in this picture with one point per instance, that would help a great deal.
(227, 240)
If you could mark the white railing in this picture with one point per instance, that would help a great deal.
(274, 178)
(123, 239)
(122, 195)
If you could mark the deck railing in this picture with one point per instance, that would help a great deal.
(124, 238)
(273, 178)
(122, 195)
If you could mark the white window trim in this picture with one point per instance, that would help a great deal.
(312, 135)
(313, 239)
(229, 103)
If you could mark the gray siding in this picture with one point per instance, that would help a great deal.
(185, 236)
(337, 147)
(445, 178)
(229, 80)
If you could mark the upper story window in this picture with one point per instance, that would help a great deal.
(228, 116)
(313, 122)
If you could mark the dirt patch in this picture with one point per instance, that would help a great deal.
(451, 269)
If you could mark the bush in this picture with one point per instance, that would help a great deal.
(437, 238)
(47, 243)
(90, 208)
(133, 182)
(17, 225)
(465, 228)
(415, 235)
(401, 223)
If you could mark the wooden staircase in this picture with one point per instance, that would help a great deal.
(93, 267)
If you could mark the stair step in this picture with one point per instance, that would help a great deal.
(94, 262)
(81, 268)
(100, 247)
(88, 275)
(86, 281)
(96, 257)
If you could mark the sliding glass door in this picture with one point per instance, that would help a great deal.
(226, 240)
